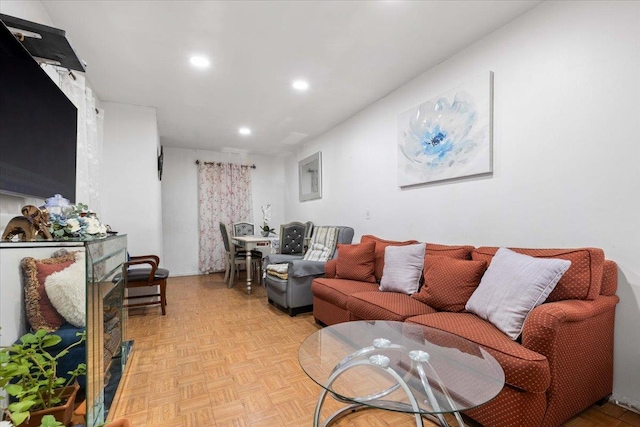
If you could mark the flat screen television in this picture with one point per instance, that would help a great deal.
(38, 127)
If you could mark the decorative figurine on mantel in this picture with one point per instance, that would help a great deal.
(77, 222)
(27, 227)
(56, 220)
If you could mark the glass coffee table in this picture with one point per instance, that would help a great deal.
(398, 366)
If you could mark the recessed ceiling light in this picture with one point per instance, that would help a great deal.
(199, 61)
(244, 131)
(300, 85)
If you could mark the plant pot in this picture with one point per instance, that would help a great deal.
(124, 422)
(62, 413)
(264, 233)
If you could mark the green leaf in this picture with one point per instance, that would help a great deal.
(50, 421)
(18, 417)
(51, 340)
(34, 390)
(28, 339)
(22, 406)
(12, 369)
(39, 358)
(13, 389)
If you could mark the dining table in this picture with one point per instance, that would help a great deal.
(249, 243)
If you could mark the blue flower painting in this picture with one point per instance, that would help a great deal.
(448, 136)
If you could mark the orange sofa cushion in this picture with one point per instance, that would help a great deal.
(330, 268)
(451, 251)
(385, 306)
(337, 291)
(356, 262)
(581, 281)
(523, 368)
(381, 244)
(448, 282)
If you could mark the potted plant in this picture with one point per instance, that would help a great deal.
(47, 421)
(28, 373)
(265, 230)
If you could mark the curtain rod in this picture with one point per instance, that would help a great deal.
(220, 163)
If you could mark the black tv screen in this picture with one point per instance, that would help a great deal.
(38, 127)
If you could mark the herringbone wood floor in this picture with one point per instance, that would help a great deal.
(221, 357)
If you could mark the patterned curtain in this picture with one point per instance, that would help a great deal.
(224, 195)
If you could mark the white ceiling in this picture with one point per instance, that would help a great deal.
(351, 52)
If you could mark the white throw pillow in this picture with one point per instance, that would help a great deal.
(67, 292)
(513, 285)
(402, 268)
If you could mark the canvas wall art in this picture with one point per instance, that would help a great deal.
(449, 136)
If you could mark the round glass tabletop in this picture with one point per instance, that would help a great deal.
(400, 366)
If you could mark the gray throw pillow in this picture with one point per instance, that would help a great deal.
(513, 285)
(402, 268)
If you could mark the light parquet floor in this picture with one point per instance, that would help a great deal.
(222, 358)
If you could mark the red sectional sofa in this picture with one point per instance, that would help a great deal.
(561, 364)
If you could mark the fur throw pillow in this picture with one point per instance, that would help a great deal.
(67, 292)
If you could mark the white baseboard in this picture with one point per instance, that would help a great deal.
(625, 402)
(182, 274)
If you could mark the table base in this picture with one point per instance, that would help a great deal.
(356, 407)
(366, 357)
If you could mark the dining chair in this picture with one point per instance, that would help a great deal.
(246, 229)
(243, 229)
(235, 258)
(150, 275)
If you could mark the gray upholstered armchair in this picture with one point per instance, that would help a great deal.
(290, 289)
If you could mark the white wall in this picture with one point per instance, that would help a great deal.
(566, 129)
(30, 10)
(180, 200)
(131, 192)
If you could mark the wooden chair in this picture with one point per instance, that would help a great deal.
(146, 276)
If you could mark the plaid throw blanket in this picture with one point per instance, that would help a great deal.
(323, 244)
